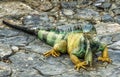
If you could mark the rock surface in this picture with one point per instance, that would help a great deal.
(21, 53)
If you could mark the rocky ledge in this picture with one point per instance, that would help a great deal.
(21, 53)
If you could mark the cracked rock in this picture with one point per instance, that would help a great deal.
(49, 69)
(5, 70)
(87, 14)
(25, 60)
(4, 50)
(8, 33)
(115, 45)
(116, 37)
(26, 73)
(107, 40)
(107, 28)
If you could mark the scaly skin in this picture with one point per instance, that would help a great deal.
(71, 43)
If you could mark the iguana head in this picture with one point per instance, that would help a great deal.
(89, 30)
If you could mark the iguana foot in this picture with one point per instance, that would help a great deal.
(52, 53)
(80, 65)
(105, 59)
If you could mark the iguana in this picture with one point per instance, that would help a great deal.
(79, 45)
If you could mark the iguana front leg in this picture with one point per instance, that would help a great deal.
(105, 57)
(52, 52)
(60, 47)
(78, 64)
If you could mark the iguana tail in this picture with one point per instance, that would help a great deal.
(24, 29)
(48, 36)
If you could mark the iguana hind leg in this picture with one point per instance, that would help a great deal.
(105, 56)
(78, 64)
(60, 47)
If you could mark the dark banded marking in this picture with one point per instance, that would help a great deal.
(50, 37)
(45, 34)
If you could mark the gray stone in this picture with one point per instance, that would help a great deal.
(15, 48)
(44, 17)
(107, 18)
(106, 5)
(116, 37)
(97, 4)
(25, 60)
(107, 28)
(8, 33)
(31, 20)
(87, 14)
(4, 50)
(116, 11)
(37, 21)
(117, 19)
(52, 19)
(12, 5)
(26, 73)
(73, 74)
(19, 40)
(114, 55)
(5, 70)
(69, 5)
(115, 45)
(117, 2)
(100, 0)
(68, 12)
(45, 6)
(107, 40)
(51, 70)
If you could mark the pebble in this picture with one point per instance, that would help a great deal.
(107, 18)
(15, 48)
(4, 50)
(68, 12)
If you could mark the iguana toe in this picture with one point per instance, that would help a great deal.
(80, 65)
(55, 54)
(105, 59)
(46, 54)
(52, 53)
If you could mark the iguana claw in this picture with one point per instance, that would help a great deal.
(52, 53)
(80, 65)
(105, 59)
